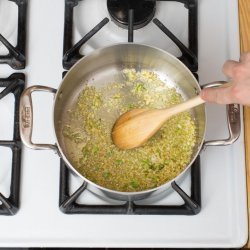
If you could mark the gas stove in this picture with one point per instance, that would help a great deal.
(55, 207)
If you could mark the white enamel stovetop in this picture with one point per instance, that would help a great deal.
(222, 221)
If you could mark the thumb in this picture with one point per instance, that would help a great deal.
(217, 95)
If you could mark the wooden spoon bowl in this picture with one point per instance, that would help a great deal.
(135, 127)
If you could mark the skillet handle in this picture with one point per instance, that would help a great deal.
(26, 117)
(233, 120)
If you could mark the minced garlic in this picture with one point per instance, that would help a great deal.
(88, 134)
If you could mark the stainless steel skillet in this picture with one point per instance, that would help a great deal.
(106, 65)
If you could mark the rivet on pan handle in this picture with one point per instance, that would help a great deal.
(233, 121)
(26, 117)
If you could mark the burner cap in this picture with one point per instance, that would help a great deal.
(143, 12)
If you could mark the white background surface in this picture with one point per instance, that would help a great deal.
(222, 221)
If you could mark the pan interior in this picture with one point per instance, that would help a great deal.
(106, 66)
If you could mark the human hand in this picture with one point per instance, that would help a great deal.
(239, 92)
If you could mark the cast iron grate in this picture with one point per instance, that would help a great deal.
(189, 55)
(16, 56)
(13, 84)
(191, 206)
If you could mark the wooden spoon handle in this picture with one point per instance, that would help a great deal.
(193, 102)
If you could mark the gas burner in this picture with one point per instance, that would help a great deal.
(165, 30)
(143, 12)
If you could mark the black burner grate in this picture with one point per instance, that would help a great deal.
(16, 56)
(68, 202)
(189, 55)
(13, 84)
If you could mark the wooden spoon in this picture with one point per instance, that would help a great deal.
(136, 126)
